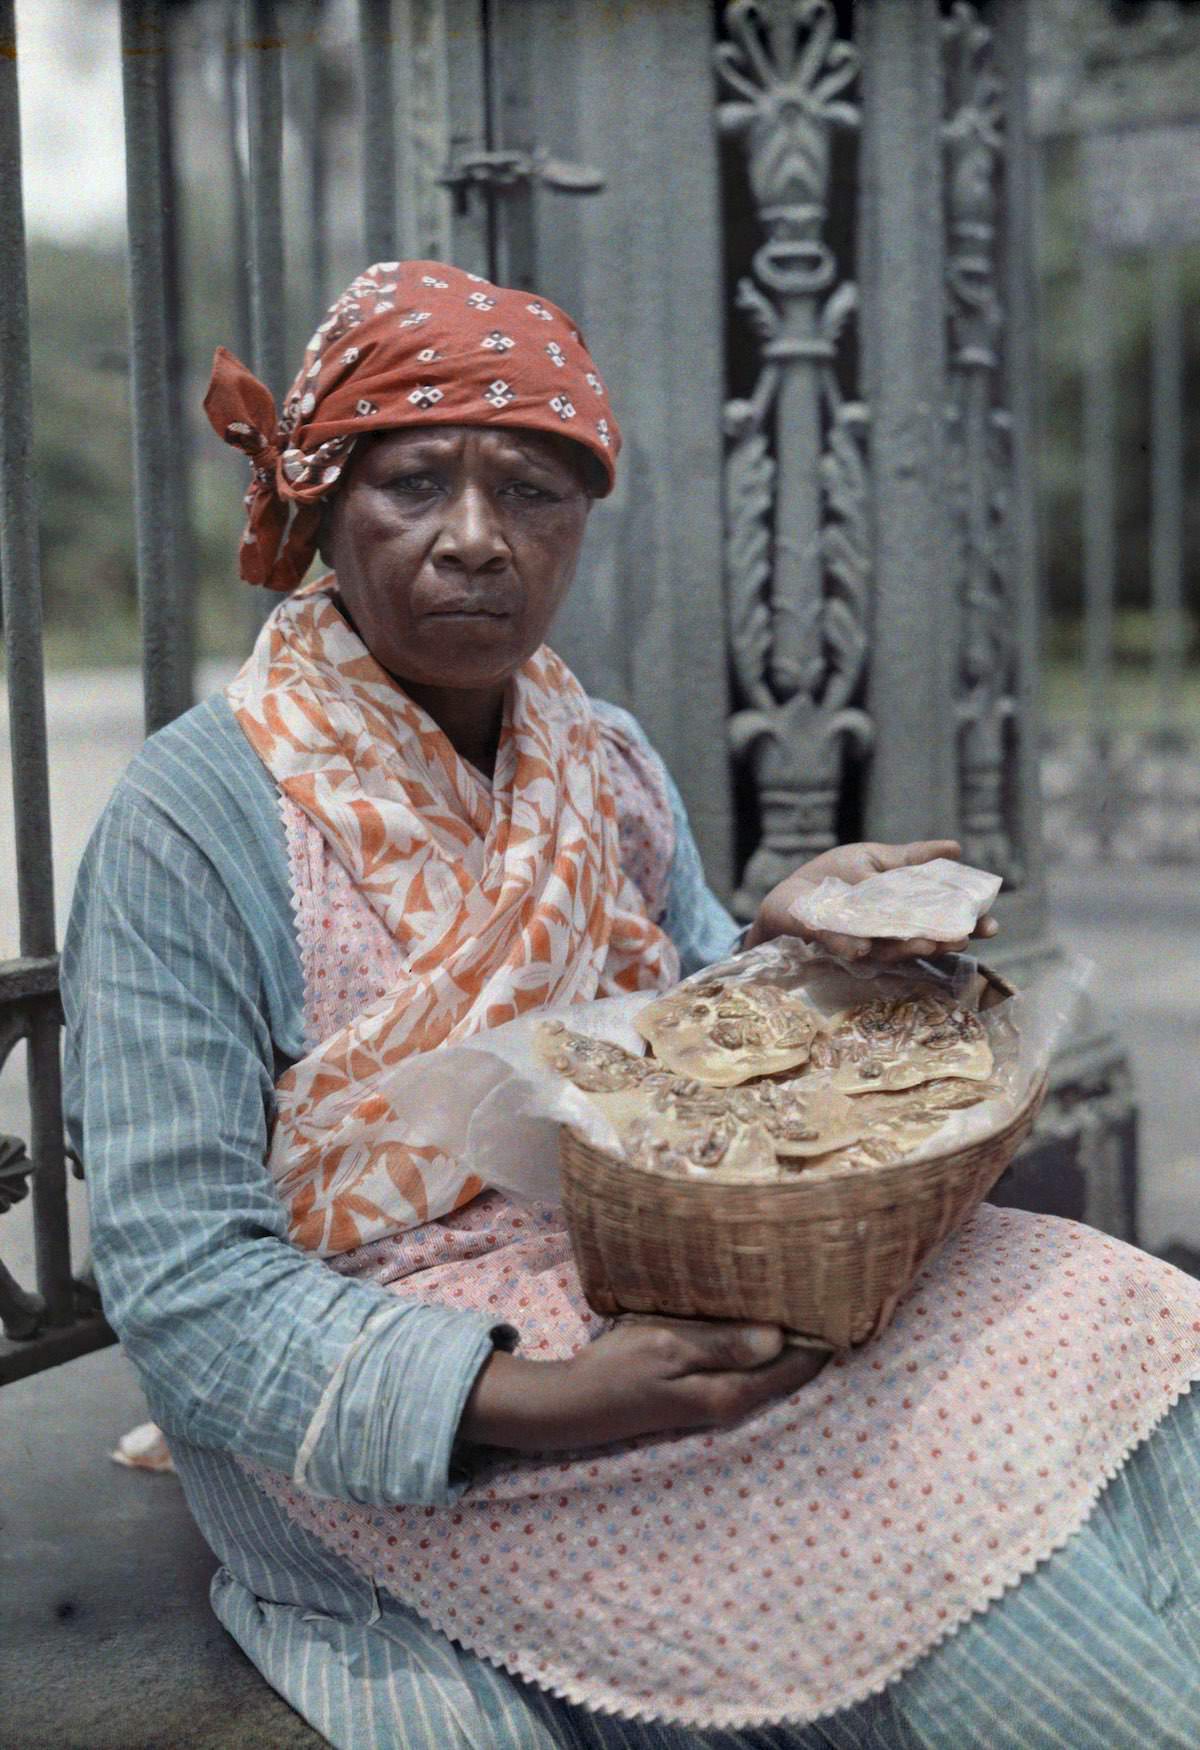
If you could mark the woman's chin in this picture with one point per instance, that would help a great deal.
(464, 650)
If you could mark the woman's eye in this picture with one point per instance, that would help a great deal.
(413, 483)
(527, 490)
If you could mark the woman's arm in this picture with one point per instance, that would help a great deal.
(242, 1342)
(646, 1376)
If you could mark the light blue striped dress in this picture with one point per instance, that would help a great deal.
(185, 1001)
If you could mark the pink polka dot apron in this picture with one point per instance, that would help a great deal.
(790, 1566)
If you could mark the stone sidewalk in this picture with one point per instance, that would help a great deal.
(108, 1643)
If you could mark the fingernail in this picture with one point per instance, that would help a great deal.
(762, 1343)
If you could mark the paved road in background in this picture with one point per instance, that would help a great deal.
(110, 1644)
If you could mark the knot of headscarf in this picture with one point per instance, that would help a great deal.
(407, 343)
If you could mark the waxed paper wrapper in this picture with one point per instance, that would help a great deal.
(491, 1101)
(938, 901)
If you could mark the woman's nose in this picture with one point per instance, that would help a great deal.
(472, 533)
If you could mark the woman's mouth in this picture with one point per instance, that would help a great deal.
(470, 611)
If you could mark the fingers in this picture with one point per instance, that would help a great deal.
(652, 1375)
(925, 850)
(698, 1346)
(917, 948)
(709, 1399)
(841, 947)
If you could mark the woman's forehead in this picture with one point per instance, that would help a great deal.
(448, 440)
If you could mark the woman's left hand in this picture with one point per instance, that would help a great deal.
(853, 863)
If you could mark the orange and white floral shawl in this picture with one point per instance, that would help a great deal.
(506, 898)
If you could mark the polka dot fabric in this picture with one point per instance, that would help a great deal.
(348, 956)
(645, 823)
(786, 1568)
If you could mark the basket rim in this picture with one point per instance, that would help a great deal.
(891, 1173)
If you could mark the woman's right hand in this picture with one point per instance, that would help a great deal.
(645, 1376)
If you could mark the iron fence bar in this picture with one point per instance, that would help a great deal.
(467, 112)
(20, 583)
(1023, 170)
(1099, 524)
(234, 92)
(48, 1185)
(21, 1359)
(264, 95)
(19, 558)
(166, 675)
(508, 78)
(268, 303)
(912, 785)
(1166, 492)
(310, 76)
(183, 550)
(378, 129)
(30, 976)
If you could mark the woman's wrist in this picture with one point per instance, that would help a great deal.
(516, 1403)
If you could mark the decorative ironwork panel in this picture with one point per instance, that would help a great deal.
(797, 545)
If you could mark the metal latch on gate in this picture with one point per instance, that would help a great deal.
(503, 170)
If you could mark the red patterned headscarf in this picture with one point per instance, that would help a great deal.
(408, 343)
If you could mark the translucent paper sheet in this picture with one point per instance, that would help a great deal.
(492, 1102)
(938, 901)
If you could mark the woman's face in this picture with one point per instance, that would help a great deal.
(453, 547)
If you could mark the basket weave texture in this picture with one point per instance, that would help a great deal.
(826, 1258)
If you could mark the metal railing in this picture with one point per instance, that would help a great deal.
(1121, 772)
(247, 43)
(68, 1323)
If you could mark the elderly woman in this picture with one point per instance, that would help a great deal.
(450, 1507)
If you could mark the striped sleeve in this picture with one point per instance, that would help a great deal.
(242, 1342)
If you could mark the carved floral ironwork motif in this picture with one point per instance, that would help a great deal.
(797, 550)
(980, 447)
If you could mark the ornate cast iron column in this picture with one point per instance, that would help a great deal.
(797, 552)
(880, 553)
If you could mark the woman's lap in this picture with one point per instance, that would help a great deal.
(1097, 1650)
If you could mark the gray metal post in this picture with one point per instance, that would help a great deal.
(268, 298)
(264, 91)
(1023, 911)
(378, 129)
(181, 566)
(166, 655)
(233, 91)
(1166, 484)
(1099, 512)
(20, 582)
(309, 75)
(471, 223)
(512, 123)
(912, 783)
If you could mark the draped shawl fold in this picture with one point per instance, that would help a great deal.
(505, 897)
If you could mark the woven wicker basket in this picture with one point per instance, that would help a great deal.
(828, 1259)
